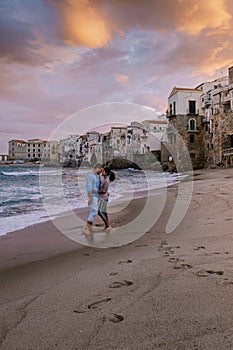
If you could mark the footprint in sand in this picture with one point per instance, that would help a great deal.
(167, 250)
(211, 272)
(226, 281)
(175, 260)
(199, 247)
(98, 303)
(183, 266)
(114, 318)
(206, 273)
(117, 284)
(80, 311)
(83, 309)
(113, 273)
(125, 261)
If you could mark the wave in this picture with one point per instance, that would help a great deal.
(29, 173)
(19, 173)
(17, 201)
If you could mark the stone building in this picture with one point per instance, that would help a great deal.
(94, 147)
(203, 117)
(136, 140)
(222, 126)
(17, 150)
(33, 150)
(209, 111)
(184, 117)
(118, 141)
(107, 151)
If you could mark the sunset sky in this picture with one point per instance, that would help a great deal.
(60, 56)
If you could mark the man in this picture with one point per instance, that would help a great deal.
(92, 189)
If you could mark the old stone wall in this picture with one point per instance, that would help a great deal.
(194, 143)
(223, 129)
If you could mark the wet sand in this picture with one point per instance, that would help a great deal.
(162, 291)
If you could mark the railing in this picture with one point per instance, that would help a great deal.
(228, 151)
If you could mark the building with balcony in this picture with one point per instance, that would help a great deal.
(184, 117)
(118, 141)
(203, 117)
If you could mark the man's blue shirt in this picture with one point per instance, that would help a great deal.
(93, 183)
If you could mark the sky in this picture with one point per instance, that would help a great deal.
(59, 57)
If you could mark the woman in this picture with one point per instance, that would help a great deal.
(107, 177)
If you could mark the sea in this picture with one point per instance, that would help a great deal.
(22, 189)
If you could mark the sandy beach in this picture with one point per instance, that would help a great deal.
(162, 291)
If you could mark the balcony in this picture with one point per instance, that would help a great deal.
(192, 112)
(226, 98)
(207, 101)
(228, 151)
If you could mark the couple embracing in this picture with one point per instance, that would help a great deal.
(97, 184)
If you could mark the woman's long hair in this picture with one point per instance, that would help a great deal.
(110, 173)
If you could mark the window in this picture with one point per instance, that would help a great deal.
(192, 107)
(192, 155)
(231, 141)
(13, 154)
(174, 107)
(170, 109)
(28, 155)
(192, 138)
(192, 124)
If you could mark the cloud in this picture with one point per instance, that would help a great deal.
(121, 78)
(200, 15)
(82, 23)
(93, 23)
(17, 41)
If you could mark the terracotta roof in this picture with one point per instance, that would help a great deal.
(35, 140)
(21, 141)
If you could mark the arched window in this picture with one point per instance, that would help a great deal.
(192, 124)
